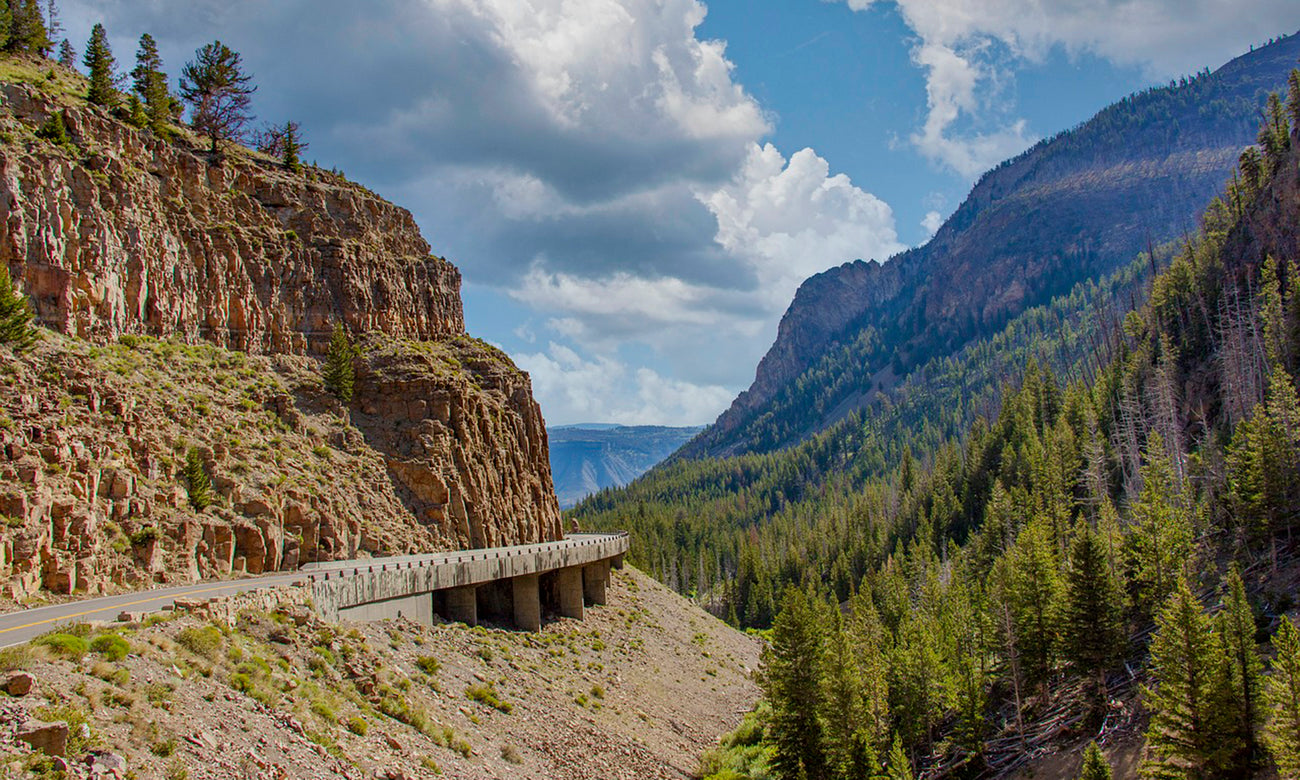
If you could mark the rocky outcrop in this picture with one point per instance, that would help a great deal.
(190, 300)
(127, 233)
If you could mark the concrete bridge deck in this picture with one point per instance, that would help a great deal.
(513, 583)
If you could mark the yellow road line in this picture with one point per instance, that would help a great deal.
(120, 606)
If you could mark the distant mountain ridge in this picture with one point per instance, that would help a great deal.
(590, 457)
(1073, 207)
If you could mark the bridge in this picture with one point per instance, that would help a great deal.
(505, 583)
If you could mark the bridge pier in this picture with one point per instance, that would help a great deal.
(462, 605)
(595, 577)
(569, 584)
(617, 561)
(527, 599)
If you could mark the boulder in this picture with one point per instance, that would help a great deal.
(49, 738)
(17, 683)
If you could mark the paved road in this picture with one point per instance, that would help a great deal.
(25, 625)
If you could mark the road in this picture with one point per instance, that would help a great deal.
(25, 625)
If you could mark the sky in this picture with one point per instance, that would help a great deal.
(634, 189)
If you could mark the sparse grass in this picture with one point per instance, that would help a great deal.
(511, 755)
(358, 725)
(428, 664)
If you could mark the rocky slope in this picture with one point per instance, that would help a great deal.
(586, 459)
(188, 302)
(1073, 207)
(639, 689)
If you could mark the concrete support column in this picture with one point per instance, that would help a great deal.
(528, 603)
(569, 583)
(595, 576)
(462, 605)
(617, 561)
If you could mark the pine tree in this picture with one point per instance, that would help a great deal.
(1092, 611)
(1274, 133)
(790, 674)
(197, 483)
(843, 714)
(16, 315)
(1162, 537)
(150, 83)
(102, 69)
(898, 766)
(27, 32)
(6, 25)
(67, 54)
(1095, 766)
(135, 113)
(293, 147)
(1033, 589)
(1240, 679)
(916, 673)
(870, 644)
(1181, 738)
(340, 376)
(1282, 731)
(1293, 100)
(218, 91)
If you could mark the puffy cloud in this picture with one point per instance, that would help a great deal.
(603, 389)
(594, 159)
(967, 44)
(932, 221)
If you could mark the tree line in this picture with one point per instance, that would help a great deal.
(1135, 525)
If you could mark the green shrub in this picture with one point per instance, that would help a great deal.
(65, 645)
(197, 482)
(487, 695)
(111, 646)
(358, 725)
(339, 374)
(142, 536)
(428, 664)
(204, 641)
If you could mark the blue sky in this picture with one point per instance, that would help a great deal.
(633, 189)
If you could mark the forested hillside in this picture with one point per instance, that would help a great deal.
(1111, 558)
(1074, 207)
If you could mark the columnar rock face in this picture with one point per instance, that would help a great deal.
(131, 234)
(191, 303)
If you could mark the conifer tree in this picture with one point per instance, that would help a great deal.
(1181, 737)
(101, 67)
(1274, 133)
(218, 91)
(1033, 588)
(916, 673)
(1092, 611)
(67, 54)
(135, 114)
(340, 376)
(790, 674)
(27, 32)
(6, 25)
(197, 483)
(898, 766)
(1095, 766)
(1282, 731)
(1162, 536)
(843, 715)
(293, 147)
(869, 641)
(16, 315)
(150, 83)
(53, 22)
(1293, 100)
(1240, 678)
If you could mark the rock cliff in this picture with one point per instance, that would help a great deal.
(189, 303)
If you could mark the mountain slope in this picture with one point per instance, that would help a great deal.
(1071, 208)
(586, 459)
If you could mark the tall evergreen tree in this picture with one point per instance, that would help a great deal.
(6, 25)
(339, 374)
(218, 91)
(849, 753)
(16, 316)
(27, 32)
(102, 68)
(791, 677)
(1162, 537)
(53, 23)
(67, 54)
(150, 83)
(1282, 730)
(916, 674)
(1033, 588)
(1095, 766)
(898, 766)
(1092, 626)
(870, 644)
(1181, 737)
(293, 147)
(1240, 679)
(197, 482)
